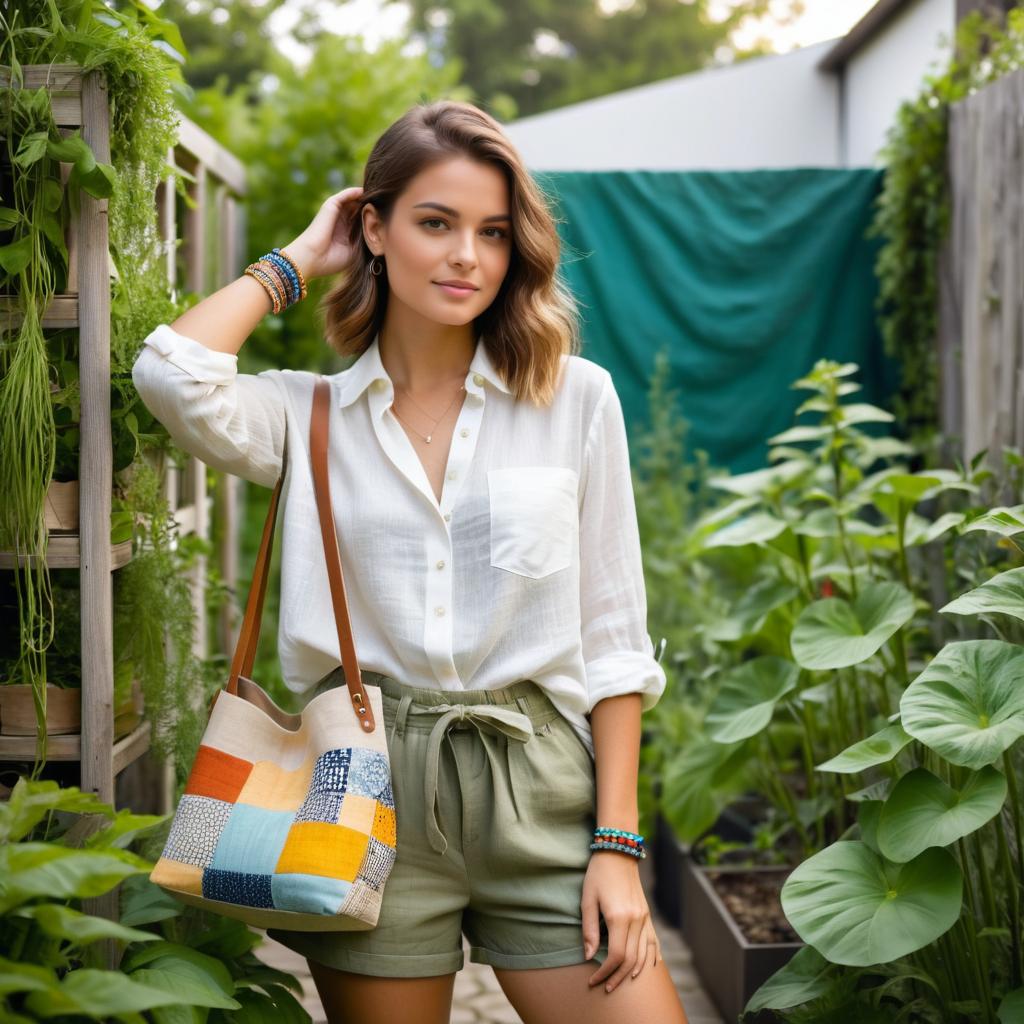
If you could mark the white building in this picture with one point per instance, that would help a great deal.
(827, 105)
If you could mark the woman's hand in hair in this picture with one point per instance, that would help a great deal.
(323, 248)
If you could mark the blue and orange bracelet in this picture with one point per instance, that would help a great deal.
(620, 840)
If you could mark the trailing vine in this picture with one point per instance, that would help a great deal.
(913, 213)
(39, 369)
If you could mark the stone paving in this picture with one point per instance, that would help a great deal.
(478, 997)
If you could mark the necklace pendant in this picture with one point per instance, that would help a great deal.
(429, 437)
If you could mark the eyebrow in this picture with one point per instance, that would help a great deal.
(455, 213)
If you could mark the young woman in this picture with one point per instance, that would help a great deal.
(487, 526)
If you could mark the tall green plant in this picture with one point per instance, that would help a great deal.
(913, 904)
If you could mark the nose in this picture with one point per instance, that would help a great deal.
(464, 252)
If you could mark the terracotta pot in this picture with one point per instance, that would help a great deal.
(61, 511)
(18, 710)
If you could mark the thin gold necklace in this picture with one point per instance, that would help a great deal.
(426, 437)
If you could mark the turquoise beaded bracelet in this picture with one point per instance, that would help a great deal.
(620, 840)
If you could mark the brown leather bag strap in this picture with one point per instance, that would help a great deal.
(248, 637)
(318, 441)
(249, 634)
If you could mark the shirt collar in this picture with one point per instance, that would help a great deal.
(368, 368)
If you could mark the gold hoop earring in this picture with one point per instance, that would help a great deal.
(376, 266)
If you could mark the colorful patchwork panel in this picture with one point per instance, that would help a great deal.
(314, 839)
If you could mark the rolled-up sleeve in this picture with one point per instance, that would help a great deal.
(232, 421)
(617, 649)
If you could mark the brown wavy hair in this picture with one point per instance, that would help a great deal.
(533, 320)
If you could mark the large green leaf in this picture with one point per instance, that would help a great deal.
(28, 870)
(879, 748)
(968, 703)
(700, 781)
(833, 633)
(1005, 521)
(762, 481)
(747, 615)
(801, 979)
(747, 697)
(1003, 593)
(757, 528)
(1011, 1009)
(62, 922)
(922, 811)
(859, 909)
(100, 994)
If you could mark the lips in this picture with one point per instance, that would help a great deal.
(455, 289)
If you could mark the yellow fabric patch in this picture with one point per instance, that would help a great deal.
(357, 812)
(384, 824)
(319, 848)
(183, 877)
(274, 788)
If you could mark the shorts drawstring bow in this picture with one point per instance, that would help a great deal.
(491, 720)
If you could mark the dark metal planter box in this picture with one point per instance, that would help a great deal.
(731, 968)
(670, 853)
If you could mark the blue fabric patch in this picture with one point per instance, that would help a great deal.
(331, 771)
(309, 894)
(320, 807)
(370, 772)
(252, 840)
(238, 887)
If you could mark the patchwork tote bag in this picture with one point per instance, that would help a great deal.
(288, 821)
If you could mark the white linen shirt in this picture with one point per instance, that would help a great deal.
(528, 568)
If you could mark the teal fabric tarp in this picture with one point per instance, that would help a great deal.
(745, 278)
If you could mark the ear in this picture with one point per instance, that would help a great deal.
(373, 229)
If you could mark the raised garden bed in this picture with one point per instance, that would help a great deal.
(736, 930)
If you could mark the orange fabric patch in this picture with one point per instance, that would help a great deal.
(320, 848)
(218, 775)
(384, 825)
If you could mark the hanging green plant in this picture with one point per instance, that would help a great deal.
(913, 213)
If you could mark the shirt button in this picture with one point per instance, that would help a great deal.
(447, 516)
(379, 385)
(451, 474)
(464, 432)
(439, 610)
(477, 379)
(440, 563)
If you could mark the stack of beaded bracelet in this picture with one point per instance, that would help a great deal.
(619, 839)
(281, 278)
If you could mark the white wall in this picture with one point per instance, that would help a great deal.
(776, 111)
(767, 112)
(890, 69)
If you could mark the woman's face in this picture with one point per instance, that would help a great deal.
(452, 222)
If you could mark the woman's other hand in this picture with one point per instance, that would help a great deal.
(612, 888)
(323, 248)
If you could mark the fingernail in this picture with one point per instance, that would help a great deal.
(586, 952)
(607, 988)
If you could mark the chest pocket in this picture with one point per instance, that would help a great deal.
(534, 518)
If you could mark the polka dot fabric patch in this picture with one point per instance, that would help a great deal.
(293, 842)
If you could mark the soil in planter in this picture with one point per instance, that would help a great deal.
(753, 900)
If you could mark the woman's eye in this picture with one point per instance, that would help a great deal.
(501, 232)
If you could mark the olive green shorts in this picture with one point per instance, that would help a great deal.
(495, 805)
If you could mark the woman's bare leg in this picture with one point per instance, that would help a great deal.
(349, 997)
(561, 995)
